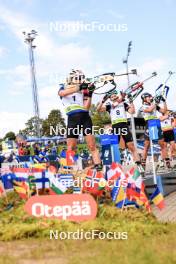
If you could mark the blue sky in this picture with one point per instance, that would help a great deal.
(150, 25)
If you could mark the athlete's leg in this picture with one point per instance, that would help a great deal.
(90, 140)
(145, 152)
(169, 138)
(173, 149)
(146, 148)
(163, 149)
(131, 147)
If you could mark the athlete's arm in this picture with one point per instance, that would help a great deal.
(101, 107)
(87, 102)
(70, 89)
(131, 108)
(163, 109)
(163, 117)
(149, 109)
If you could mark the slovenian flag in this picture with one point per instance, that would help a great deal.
(158, 199)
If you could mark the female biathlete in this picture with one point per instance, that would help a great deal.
(168, 134)
(77, 104)
(117, 109)
(150, 109)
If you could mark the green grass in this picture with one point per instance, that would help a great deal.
(26, 238)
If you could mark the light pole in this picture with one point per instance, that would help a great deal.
(29, 38)
(125, 61)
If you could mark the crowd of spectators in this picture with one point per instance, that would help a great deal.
(33, 149)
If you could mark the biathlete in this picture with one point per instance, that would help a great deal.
(118, 109)
(168, 132)
(150, 109)
(77, 104)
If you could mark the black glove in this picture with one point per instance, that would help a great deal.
(162, 99)
(130, 98)
(157, 99)
(83, 86)
(91, 88)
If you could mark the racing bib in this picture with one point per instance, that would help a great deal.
(118, 114)
(73, 103)
(149, 116)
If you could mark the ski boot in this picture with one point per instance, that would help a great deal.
(161, 166)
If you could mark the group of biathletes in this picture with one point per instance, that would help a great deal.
(76, 96)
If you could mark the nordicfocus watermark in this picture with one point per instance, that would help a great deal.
(92, 182)
(80, 234)
(81, 26)
(59, 130)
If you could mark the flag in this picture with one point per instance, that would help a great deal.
(77, 190)
(1, 189)
(41, 180)
(115, 190)
(92, 183)
(5, 170)
(66, 180)
(56, 187)
(158, 199)
(63, 154)
(21, 174)
(41, 166)
(121, 196)
(118, 192)
(32, 184)
(21, 188)
(135, 184)
(63, 161)
(7, 180)
(144, 200)
(115, 172)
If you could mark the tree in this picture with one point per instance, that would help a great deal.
(99, 119)
(10, 135)
(30, 127)
(54, 119)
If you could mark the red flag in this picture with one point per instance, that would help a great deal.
(91, 182)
